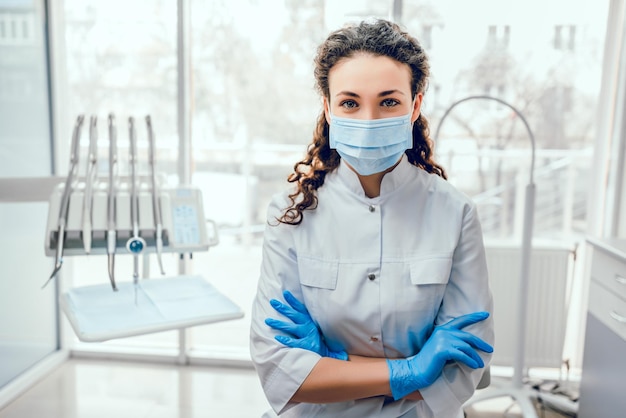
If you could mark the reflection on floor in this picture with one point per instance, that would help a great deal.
(94, 389)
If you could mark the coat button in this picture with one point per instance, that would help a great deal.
(374, 339)
(371, 276)
(372, 208)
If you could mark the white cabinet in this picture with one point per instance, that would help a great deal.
(604, 364)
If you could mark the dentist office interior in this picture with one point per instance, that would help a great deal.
(192, 114)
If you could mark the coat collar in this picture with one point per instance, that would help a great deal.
(393, 180)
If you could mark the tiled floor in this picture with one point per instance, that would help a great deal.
(95, 389)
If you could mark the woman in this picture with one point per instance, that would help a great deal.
(379, 261)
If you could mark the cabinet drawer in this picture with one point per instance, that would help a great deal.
(609, 271)
(608, 308)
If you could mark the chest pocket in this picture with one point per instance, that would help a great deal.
(318, 279)
(318, 273)
(432, 270)
(429, 277)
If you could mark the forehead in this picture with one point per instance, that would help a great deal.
(365, 73)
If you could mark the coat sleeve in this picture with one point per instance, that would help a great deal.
(281, 369)
(467, 291)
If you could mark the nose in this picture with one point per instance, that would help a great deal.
(369, 112)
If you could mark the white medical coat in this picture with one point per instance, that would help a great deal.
(376, 275)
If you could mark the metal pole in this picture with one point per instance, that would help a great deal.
(184, 94)
(184, 133)
(522, 308)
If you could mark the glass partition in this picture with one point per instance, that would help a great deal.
(28, 321)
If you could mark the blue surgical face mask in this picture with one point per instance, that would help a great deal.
(371, 146)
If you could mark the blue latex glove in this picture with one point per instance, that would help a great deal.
(447, 343)
(302, 330)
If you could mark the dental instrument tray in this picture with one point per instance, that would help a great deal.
(184, 228)
(134, 213)
(153, 305)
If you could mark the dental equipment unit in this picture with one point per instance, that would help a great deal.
(136, 212)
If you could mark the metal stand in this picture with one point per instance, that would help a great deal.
(521, 394)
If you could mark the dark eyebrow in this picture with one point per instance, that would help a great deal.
(347, 93)
(389, 92)
(381, 94)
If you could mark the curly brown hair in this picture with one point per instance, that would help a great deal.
(379, 38)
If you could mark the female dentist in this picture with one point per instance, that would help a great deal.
(373, 298)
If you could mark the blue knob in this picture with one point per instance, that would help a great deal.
(135, 245)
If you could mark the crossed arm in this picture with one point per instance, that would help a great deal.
(333, 379)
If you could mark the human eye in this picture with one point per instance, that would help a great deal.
(389, 103)
(348, 104)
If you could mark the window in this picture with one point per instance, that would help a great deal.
(254, 108)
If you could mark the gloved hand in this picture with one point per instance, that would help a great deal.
(303, 332)
(446, 343)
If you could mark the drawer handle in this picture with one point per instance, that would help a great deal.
(620, 279)
(618, 317)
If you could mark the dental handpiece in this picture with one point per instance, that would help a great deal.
(135, 244)
(111, 226)
(156, 207)
(90, 179)
(65, 198)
